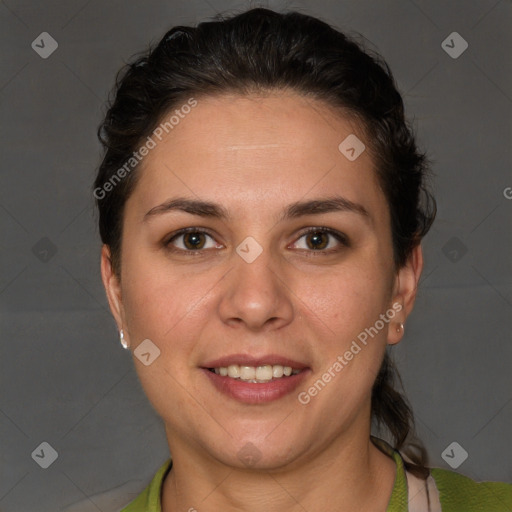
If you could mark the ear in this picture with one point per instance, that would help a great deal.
(404, 294)
(112, 287)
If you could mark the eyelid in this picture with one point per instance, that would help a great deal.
(193, 229)
(339, 236)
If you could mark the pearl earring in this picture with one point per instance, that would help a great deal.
(400, 327)
(124, 343)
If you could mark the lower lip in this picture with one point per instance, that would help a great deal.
(256, 393)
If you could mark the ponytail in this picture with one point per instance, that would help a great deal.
(391, 409)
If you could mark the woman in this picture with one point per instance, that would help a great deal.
(262, 203)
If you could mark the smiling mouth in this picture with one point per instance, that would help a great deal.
(255, 374)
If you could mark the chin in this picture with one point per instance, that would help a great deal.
(261, 454)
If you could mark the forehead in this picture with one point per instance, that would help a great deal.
(245, 148)
(227, 126)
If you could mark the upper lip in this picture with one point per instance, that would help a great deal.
(248, 360)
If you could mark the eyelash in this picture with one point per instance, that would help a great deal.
(340, 237)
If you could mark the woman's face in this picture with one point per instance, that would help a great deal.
(259, 290)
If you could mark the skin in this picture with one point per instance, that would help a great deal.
(254, 156)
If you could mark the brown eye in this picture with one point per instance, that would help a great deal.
(189, 240)
(322, 240)
(319, 240)
(193, 241)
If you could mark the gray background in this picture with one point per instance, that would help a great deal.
(64, 378)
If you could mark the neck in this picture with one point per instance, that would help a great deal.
(348, 475)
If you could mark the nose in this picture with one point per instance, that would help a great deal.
(256, 295)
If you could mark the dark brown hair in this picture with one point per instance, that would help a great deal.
(261, 50)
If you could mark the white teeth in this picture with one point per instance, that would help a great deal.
(259, 374)
(264, 372)
(234, 371)
(247, 372)
(277, 371)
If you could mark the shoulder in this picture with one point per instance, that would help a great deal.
(459, 493)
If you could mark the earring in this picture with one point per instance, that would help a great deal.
(400, 327)
(124, 343)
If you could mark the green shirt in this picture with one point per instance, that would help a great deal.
(457, 493)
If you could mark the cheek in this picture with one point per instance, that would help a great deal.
(349, 298)
(345, 308)
(164, 308)
(162, 302)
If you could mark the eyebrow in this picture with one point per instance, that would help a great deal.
(292, 211)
